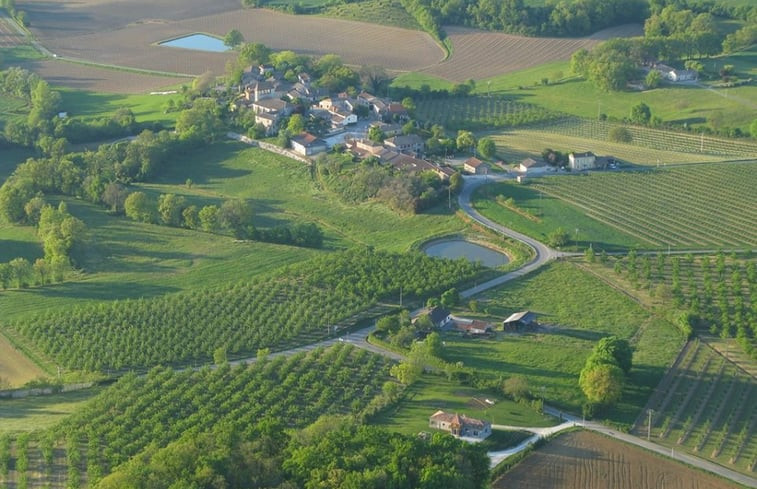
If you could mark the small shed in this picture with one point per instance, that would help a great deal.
(519, 321)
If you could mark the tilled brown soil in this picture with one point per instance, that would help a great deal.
(585, 460)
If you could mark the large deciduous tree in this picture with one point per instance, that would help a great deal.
(602, 383)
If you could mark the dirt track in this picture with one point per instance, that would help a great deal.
(584, 460)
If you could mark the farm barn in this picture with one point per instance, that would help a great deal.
(519, 321)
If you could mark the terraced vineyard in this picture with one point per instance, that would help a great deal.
(154, 410)
(706, 407)
(659, 139)
(703, 207)
(481, 112)
(719, 291)
(297, 306)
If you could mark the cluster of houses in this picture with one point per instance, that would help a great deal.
(272, 99)
(576, 162)
(400, 151)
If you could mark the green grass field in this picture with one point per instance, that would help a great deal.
(551, 213)
(386, 12)
(432, 393)
(280, 190)
(126, 259)
(41, 412)
(88, 104)
(575, 309)
(10, 159)
(19, 241)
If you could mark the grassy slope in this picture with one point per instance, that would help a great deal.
(574, 96)
(579, 309)
(89, 104)
(553, 213)
(280, 190)
(126, 259)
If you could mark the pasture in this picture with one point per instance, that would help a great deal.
(88, 104)
(704, 406)
(701, 207)
(479, 54)
(575, 310)
(591, 461)
(547, 214)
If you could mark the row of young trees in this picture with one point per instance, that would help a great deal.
(299, 303)
(143, 430)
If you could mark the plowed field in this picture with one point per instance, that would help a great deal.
(111, 36)
(478, 54)
(584, 460)
(8, 36)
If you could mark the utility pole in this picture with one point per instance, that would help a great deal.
(400, 296)
(650, 412)
(449, 196)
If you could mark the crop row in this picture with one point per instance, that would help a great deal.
(298, 304)
(700, 207)
(480, 112)
(660, 139)
(702, 409)
(719, 291)
(154, 410)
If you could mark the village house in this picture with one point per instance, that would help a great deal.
(388, 129)
(473, 327)
(475, 166)
(411, 144)
(460, 425)
(531, 165)
(307, 145)
(439, 316)
(582, 161)
(519, 321)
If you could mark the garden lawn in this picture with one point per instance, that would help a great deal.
(432, 393)
(575, 310)
(551, 213)
(41, 412)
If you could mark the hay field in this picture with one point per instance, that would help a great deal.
(88, 77)
(133, 43)
(589, 461)
(480, 54)
(15, 368)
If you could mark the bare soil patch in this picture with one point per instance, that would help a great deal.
(480, 54)
(584, 460)
(75, 75)
(15, 368)
(9, 37)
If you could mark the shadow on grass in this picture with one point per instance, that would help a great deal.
(103, 291)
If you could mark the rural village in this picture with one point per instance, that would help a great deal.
(383, 243)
